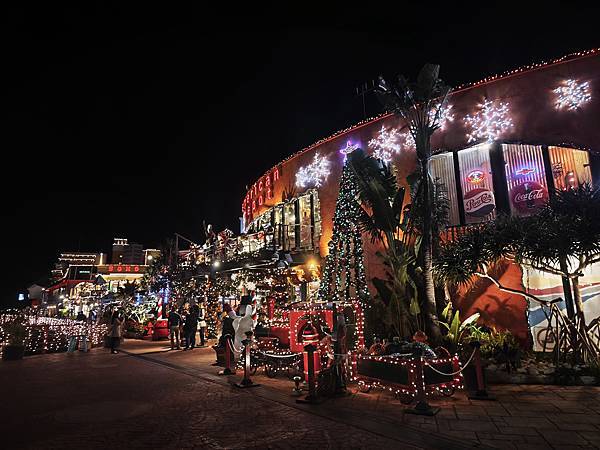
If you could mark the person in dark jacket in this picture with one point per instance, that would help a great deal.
(175, 322)
(190, 327)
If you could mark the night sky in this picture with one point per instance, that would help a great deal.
(137, 122)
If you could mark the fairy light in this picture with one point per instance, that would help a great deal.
(313, 174)
(50, 335)
(411, 366)
(444, 116)
(572, 95)
(489, 122)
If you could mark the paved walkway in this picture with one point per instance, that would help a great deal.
(149, 397)
(98, 400)
(523, 417)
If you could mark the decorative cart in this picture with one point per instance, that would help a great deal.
(268, 354)
(398, 374)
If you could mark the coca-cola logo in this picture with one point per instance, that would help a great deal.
(529, 196)
(479, 202)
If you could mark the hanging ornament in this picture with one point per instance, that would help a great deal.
(313, 174)
(572, 95)
(489, 122)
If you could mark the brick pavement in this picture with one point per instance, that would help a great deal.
(523, 417)
(98, 400)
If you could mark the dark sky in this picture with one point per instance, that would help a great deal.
(139, 121)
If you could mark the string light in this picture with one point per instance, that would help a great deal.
(489, 122)
(444, 117)
(572, 95)
(313, 174)
(49, 335)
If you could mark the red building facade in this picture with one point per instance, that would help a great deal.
(506, 142)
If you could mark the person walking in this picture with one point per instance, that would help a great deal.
(202, 324)
(190, 327)
(115, 331)
(174, 321)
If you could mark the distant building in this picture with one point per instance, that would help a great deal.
(124, 252)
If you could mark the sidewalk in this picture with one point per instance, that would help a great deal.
(523, 417)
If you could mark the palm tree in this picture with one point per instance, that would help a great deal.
(563, 239)
(421, 105)
(381, 209)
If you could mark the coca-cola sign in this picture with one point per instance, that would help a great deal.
(479, 202)
(528, 197)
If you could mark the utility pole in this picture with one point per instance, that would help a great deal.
(362, 90)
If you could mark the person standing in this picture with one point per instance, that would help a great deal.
(202, 324)
(190, 327)
(115, 331)
(174, 327)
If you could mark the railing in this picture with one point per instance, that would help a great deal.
(286, 238)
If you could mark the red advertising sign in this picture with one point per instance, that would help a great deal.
(525, 178)
(528, 197)
(479, 202)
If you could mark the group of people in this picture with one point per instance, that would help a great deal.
(185, 323)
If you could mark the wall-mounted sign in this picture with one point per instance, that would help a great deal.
(479, 203)
(477, 184)
(259, 193)
(121, 268)
(525, 178)
(476, 176)
(528, 197)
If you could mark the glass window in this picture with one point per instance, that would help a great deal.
(305, 222)
(477, 184)
(442, 172)
(570, 167)
(289, 211)
(525, 178)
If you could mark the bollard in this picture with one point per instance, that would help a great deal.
(246, 381)
(227, 370)
(312, 388)
(481, 393)
(422, 408)
(297, 391)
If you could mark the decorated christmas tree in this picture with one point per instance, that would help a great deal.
(344, 278)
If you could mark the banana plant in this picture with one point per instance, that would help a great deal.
(457, 332)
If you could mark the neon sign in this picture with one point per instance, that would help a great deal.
(475, 176)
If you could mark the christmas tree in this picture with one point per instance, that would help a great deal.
(344, 276)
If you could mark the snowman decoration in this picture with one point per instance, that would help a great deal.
(245, 321)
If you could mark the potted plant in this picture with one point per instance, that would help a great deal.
(14, 332)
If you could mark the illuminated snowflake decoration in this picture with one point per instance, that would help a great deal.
(444, 117)
(489, 122)
(572, 95)
(408, 140)
(386, 144)
(314, 174)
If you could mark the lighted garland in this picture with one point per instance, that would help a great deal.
(50, 335)
(460, 88)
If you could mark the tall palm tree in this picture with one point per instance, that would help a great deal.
(421, 104)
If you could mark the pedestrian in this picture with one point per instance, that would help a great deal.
(202, 324)
(115, 331)
(174, 327)
(80, 317)
(190, 327)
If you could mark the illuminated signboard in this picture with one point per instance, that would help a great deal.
(260, 192)
(122, 268)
